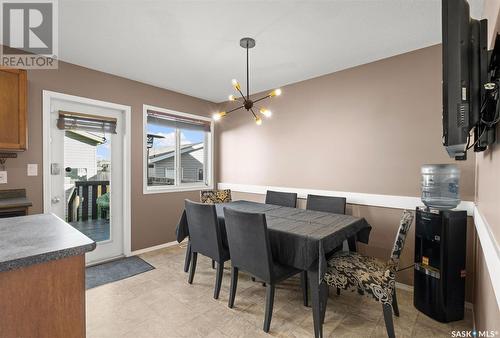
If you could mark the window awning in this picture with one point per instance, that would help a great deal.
(176, 121)
(80, 121)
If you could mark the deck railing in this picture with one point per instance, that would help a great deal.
(88, 192)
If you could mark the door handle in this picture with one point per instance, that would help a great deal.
(56, 200)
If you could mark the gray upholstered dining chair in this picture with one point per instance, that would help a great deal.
(284, 199)
(371, 276)
(250, 249)
(208, 197)
(331, 204)
(205, 238)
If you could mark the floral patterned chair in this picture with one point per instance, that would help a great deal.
(215, 196)
(371, 276)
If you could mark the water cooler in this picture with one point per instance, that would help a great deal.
(440, 246)
(439, 273)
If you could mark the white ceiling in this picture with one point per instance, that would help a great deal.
(192, 47)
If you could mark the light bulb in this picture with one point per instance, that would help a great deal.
(276, 92)
(266, 112)
(235, 84)
(231, 97)
(258, 121)
(218, 116)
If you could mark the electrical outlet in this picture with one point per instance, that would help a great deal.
(3, 177)
(33, 169)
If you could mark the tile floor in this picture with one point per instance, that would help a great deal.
(160, 303)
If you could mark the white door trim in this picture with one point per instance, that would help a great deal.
(48, 96)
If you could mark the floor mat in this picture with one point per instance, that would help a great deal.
(115, 270)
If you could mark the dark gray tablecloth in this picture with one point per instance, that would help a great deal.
(299, 238)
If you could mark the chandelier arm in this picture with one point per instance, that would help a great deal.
(262, 98)
(251, 109)
(242, 95)
(230, 111)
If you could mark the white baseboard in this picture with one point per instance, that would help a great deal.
(409, 288)
(153, 248)
(384, 201)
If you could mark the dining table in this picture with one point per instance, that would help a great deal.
(301, 239)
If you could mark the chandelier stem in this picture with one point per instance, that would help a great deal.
(248, 80)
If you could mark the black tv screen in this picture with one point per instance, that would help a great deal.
(464, 72)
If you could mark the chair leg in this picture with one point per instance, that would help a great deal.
(218, 279)
(234, 284)
(338, 291)
(269, 306)
(194, 257)
(187, 260)
(389, 325)
(213, 264)
(303, 284)
(395, 307)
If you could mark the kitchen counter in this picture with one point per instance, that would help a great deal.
(42, 277)
(35, 239)
(15, 202)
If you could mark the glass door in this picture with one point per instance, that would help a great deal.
(86, 177)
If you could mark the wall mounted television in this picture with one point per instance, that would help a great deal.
(470, 81)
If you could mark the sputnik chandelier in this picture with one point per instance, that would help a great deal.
(245, 101)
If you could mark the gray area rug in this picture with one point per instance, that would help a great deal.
(115, 270)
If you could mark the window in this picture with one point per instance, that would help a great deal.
(177, 151)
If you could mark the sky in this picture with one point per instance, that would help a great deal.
(187, 137)
(104, 150)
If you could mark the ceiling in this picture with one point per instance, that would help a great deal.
(192, 47)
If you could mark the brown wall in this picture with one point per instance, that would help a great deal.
(155, 216)
(365, 129)
(486, 309)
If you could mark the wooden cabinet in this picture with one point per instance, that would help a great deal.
(13, 110)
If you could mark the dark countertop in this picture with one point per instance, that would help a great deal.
(16, 202)
(14, 198)
(35, 239)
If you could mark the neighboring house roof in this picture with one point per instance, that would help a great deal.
(85, 137)
(160, 154)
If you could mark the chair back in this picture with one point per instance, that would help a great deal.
(248, 241)
(215, 196)
(204, 232)
(404, 227)
(284, 199)
(331, 204)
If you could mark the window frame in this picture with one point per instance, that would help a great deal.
(178, 186)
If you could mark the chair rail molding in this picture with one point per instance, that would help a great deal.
(384, 201)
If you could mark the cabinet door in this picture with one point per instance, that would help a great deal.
(13, 122)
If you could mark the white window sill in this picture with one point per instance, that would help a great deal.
(162, 190)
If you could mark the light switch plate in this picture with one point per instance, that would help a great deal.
(3, 177)
(32, 169)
